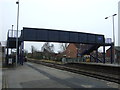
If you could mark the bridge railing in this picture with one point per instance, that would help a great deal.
(13, 33)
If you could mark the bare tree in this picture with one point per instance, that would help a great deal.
(63, 46)
(33, 49)
(48, 47)
(51, 48)
(48, 50)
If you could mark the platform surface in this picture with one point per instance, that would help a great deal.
(32, 75)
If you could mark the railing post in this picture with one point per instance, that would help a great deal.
(104, 53)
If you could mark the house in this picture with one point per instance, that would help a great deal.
(74, 50)
(81, 52)
(117, 53)
(71, 51)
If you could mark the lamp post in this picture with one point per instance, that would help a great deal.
(12, 30)
(17, 33)
(113, 34)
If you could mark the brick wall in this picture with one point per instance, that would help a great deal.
(71, 51)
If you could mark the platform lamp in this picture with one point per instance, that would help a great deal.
(113, 33)
(17, 32)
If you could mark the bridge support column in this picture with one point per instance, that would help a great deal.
(104, 53)
(18, 56)
(21, 53)
(111, 54)
(97, 56)
(6, 61)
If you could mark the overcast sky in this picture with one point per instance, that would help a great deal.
(73, 15)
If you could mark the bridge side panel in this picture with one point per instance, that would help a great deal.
(50, 35)
(29, 35)
(64, 36)
(100, 39)
(91, 38)
(83, 38)
(73, 37)
(41, 35)
(53, 36)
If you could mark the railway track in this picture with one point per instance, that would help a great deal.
(99, 75)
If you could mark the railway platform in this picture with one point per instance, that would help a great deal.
(101, 64)
(32, 75)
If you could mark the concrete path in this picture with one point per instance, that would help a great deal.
(32, 75)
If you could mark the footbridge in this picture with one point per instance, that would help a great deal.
(51, 35)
